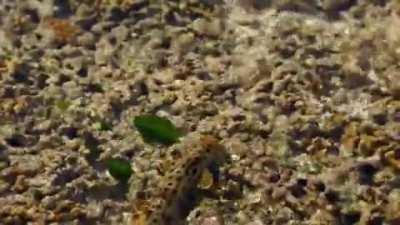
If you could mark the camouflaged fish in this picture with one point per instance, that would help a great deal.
(164, 205)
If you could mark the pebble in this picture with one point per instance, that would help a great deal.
(212, 220)
(26, 165)
(210, 28)
(255, 222)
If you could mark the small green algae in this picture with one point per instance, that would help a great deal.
(119, 169)
(63, 105)
(157, 129)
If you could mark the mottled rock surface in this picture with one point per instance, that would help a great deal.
(304, 96)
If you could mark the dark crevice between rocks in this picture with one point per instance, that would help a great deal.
(332, 196)
(366, 174)
(70, 132)
(33, 15)
(377, 220)
(380, 119)
(118, 15)
(83, 72)
(92, 143)
(41, 81)
(16, 141)
(20, 141)
(88, 22)
(103, 192)
(94, 88)
(320, 186)
(350, 218)
(62, 9)
(65, 176)
(189, 202)
(21, 75)
(334, 11)
(62, 79)
(297, 190)
(138, 6)
(8, 91)
(296, 148)
(143, 88)
(117, 108)
(335, 134)
(380, 3)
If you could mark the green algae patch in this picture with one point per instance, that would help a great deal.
(63, 105)
(119, 169)
(157, 129)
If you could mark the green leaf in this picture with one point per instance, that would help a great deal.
(157, 129)
(119, 169)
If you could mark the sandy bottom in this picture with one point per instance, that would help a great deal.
(304, 96)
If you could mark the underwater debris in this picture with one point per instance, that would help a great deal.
(168, 203)
(157, 129)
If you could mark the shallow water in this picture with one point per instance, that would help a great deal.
(302, 96)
